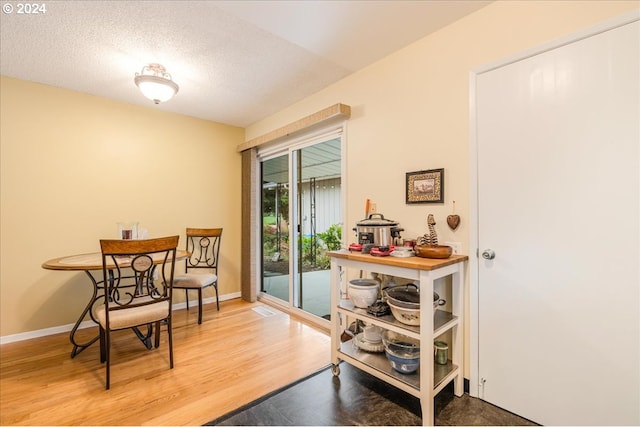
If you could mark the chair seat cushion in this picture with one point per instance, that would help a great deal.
(194, 280)
(133, 316)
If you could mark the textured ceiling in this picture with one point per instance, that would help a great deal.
(236, 61)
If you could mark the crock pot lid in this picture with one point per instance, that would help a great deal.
(376, 219)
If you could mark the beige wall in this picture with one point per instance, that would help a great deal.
(73, 165)
(410, 111)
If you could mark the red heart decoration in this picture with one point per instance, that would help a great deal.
(453, 221)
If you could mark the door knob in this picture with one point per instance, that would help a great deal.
(488, 254)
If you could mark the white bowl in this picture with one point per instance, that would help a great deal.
(411, 316)
(363, 292)
(402, 252)
(372, 333)
(408, 316)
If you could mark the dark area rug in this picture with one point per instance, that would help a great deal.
(357, 398)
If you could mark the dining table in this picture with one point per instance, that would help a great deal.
(91, 264)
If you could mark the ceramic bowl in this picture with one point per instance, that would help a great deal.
(404, 307)
(408, 316)
(372, 333)
(402, 252)
(363, 292)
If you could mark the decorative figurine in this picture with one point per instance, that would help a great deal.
(428, 246)
(430, 238)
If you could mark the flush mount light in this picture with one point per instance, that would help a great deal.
(155, 83)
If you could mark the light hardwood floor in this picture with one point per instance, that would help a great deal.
(236, 356)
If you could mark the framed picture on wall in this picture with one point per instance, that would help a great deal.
(425, 186)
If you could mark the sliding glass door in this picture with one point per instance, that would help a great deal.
(275, 227)
(302, 220)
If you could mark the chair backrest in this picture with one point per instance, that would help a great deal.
(204, 246)
(138, 272)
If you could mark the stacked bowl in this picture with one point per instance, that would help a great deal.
(402, 351)
(404, 302)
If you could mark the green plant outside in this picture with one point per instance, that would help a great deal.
(328, 240)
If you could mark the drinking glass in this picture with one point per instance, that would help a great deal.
(128, 230)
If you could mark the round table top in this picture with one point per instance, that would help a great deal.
(91, 261)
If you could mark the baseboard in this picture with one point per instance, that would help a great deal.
(88, 323)
(194, 302)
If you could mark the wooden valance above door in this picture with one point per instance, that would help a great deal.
(337, 111)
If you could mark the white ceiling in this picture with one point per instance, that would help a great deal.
(236, 61)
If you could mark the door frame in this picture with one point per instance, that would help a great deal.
(474, 249)
(305, 139)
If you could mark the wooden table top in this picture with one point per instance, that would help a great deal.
(414, 262)
(92, 261)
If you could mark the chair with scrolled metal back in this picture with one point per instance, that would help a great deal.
(138, 277)
(201, 270)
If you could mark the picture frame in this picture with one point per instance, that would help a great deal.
(425, 186)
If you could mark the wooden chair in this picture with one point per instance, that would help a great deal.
(201, 269)
(138, 278)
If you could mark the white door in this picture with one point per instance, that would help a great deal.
(558, 140)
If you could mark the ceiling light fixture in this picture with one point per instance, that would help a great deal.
(155, 83)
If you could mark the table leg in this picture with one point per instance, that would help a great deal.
(77, 346)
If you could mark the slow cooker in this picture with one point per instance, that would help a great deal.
(377, 231)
